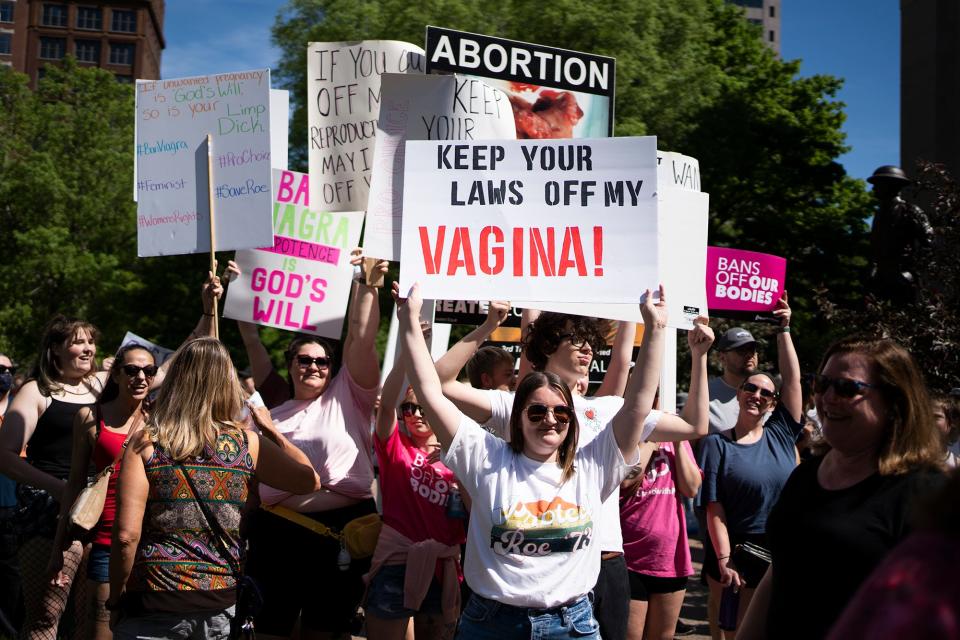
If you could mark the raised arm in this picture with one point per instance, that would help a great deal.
(260, 363)
(642, 387)
(442, 414)
(19, 424)
(473, 402)
(360, 348)
(790, 393)
(615, 380)
(688, 478)
(389, 395)
(694, 421)
(527, 317)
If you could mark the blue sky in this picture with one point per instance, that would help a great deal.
(857, 40)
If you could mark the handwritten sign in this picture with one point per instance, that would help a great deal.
(343, 104)
(553, 220)
(424, 108)
(173, 120)
(302, 281)
(744, 284)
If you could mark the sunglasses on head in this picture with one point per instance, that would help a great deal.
(5, 369)
(133, 370)
(409, 409)
(749, 387)
(305, 361)
(561, 413)
(843, 387)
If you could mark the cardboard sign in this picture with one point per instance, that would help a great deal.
(553, 220)
(343, 105)
(424, 108)
(555, 93)
(160, 354)
(744, 284)
(302, 281)
(173, 119)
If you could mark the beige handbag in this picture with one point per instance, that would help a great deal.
(88, 507)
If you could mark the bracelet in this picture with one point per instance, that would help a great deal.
(785, 329)
(723, 558)
(209, 315)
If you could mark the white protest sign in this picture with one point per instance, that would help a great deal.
(424, 108)
(301, 282)
(675, 170)
(279, 128)
(173, 120)
(553, 220)
(160, 354)
(343, 104)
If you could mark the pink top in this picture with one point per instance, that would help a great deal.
(416, 493)
(654, 527)
(105, 451)
(334, 433)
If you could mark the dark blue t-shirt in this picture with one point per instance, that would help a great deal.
(747, 478)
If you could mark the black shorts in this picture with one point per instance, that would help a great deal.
(298, 575)
(643, 586)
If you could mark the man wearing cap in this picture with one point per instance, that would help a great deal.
(738, 356)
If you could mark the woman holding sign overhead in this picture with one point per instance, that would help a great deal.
(531, 554)
(295, 551)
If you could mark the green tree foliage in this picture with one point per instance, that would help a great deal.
(695, 74)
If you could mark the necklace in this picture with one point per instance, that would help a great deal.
(79, 389)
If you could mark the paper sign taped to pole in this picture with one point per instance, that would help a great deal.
(173, 119)
(302, 281)
(424, 108)
(343, 104)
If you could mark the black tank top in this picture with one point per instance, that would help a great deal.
(51, 447)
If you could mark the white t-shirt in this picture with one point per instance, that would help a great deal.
(593, 415)
(530, 541)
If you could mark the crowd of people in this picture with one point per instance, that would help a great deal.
(322, 503)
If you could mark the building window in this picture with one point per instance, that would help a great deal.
(88, 51)
(6, 11)
(89, 18)
(6, 43)
(773, 11)
(122, 53)
(54, 15)
(124, 79)
(53, 48)
(772, 36)
(755, 21)
(123, 20)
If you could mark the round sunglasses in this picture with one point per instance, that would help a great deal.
(561, 413)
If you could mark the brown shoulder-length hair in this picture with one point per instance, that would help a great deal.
(59, 331)
(530, 383)
(912, 440)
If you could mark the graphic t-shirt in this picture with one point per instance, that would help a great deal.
(530, 542)
(652, 519)
(334, 432)
(415, 492)
(593, 415)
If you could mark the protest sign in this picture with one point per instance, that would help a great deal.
(675, 170)
(423, 108)
(160, 354)
(343, 104)
(555, 93)
(744, 285)
(554, 220)
(470, 312)
(302, 281)
(279, 128)
(173, 119)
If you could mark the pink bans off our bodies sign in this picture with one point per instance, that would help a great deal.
(743, 281)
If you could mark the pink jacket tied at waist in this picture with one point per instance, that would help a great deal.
(421, 560)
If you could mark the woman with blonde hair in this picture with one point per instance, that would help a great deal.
(175, 555)
(841, 512)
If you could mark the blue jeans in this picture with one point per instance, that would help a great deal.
(484, 619)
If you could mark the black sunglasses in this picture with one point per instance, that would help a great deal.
(133, 370)
(561, 413)
(410, 409)
(749, 387)
(843, 387)
(5, 369)
(305, 361)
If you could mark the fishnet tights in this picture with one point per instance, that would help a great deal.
(47, 603)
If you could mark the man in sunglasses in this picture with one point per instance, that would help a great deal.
(737, 351)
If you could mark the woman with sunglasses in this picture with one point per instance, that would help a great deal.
(415, 569)
(99, 436)
(744, 470)
(532, 556)
(841, 512)
(328, 416)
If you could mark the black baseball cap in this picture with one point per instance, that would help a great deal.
(734, 339)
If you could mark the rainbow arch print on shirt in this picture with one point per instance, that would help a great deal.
(540, 528)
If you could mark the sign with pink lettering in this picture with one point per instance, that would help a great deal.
(744, 284)
(302, 281)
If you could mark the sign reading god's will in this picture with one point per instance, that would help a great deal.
(173, 120)
(550, 220)
(301, 282)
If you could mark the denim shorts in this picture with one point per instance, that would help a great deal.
(98, 566)
(484, 619)
(385, 596)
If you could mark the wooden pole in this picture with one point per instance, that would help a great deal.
(213, 228)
